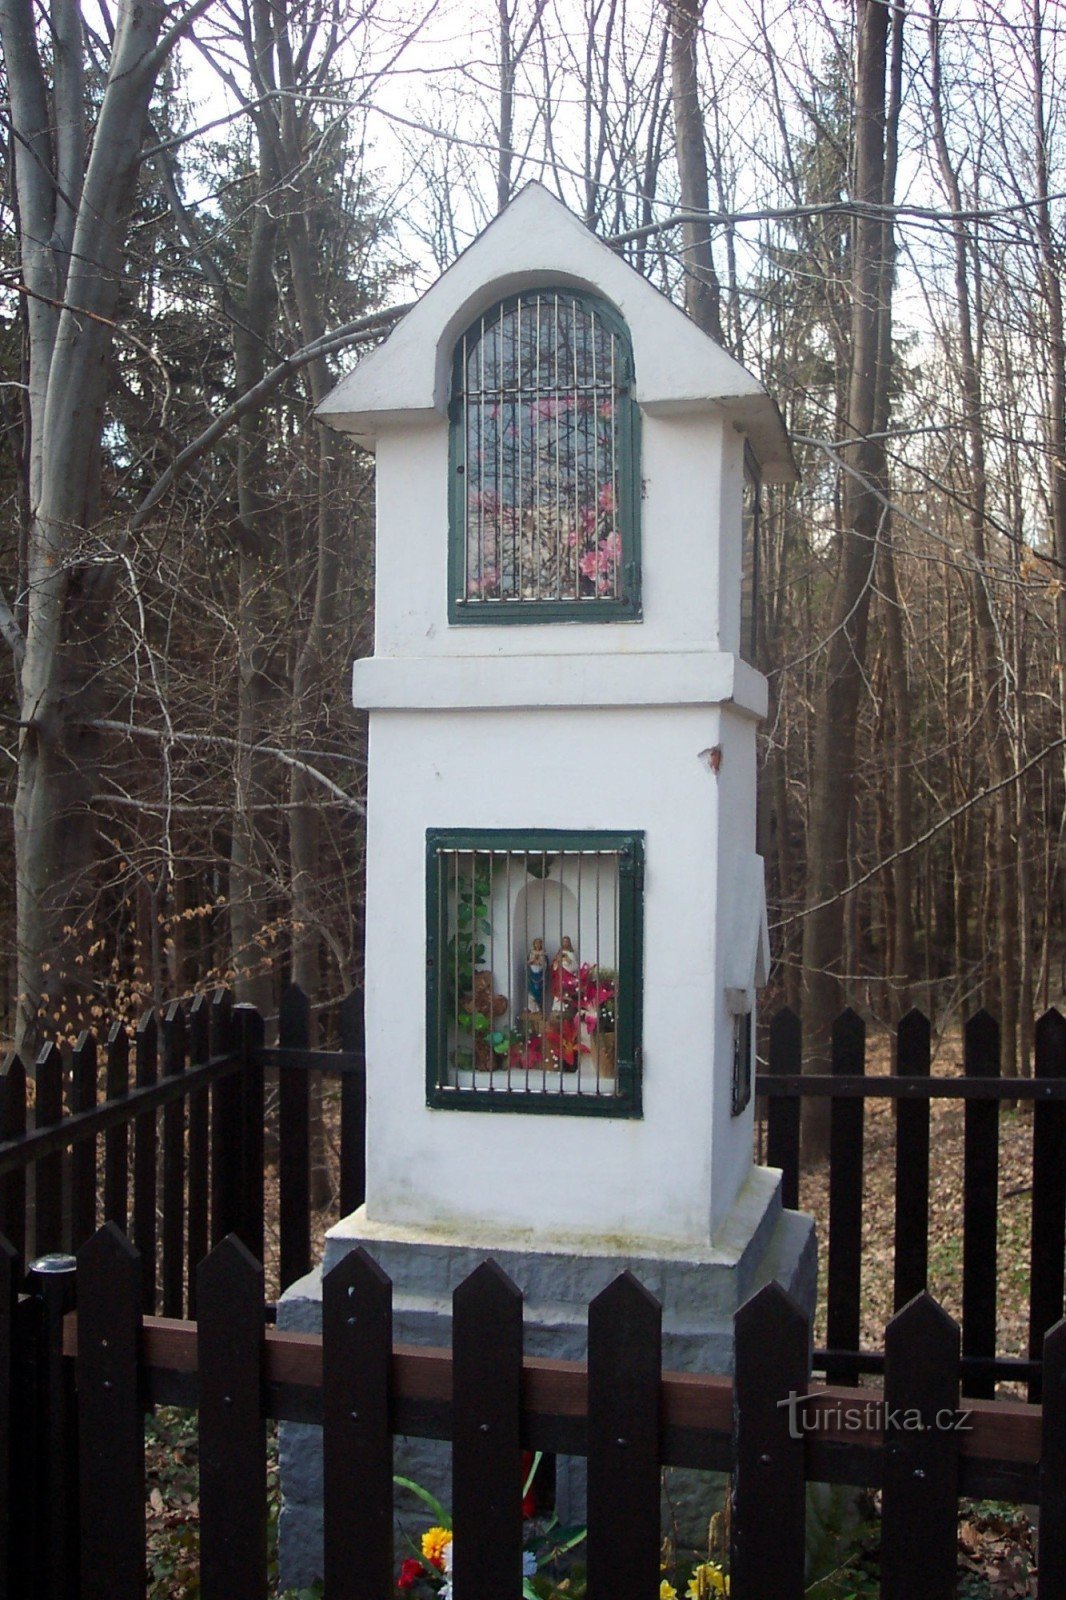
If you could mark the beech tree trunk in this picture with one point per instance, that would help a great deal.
(73, 221)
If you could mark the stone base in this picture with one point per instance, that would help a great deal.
(700, 1291)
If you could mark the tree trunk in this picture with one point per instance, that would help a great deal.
(702, 289)
(73, 226)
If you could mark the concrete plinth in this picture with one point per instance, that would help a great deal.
(700, 1290)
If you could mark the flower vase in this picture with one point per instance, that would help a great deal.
(603, 1052)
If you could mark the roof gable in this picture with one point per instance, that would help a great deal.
(536, 242)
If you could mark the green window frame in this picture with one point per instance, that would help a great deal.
(544, 464)
(476, 881)
(743, 1051)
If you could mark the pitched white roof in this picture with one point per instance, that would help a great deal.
(536, 242)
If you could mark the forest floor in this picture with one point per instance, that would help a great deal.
(996, 1542)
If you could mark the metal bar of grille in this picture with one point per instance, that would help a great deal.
(532, 939)
(540, 427)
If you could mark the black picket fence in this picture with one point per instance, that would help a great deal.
(983, 1091)
(181, 1163)
(81, 1362)
(169, 1145)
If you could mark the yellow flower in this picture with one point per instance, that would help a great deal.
(667, 1591)
(707, 1579)
(434, 1543)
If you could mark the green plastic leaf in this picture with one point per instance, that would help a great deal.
(539, 1453)
(430, 1500)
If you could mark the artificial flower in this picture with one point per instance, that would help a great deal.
(410, 1572)
(706, 1580)
(667, 1591)
(435, 1542)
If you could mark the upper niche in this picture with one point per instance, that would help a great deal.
(544, 463)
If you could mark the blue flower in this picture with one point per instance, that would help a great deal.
(529, 1563)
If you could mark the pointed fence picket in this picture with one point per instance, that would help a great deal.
(110, 1419)
(48, 1113)
(768, 1522)
(771, 1425)
(486, 1434)
(913, 1087)
(176, 1158)
(1047, 1258)
(198, 1180)
(911, 1265)
(980, 1195)
(117, 1137)
(920, 1487)
(233, 1500)
(624, 1371)
(1051, 1543)
(357, 1453)
(844, 1274)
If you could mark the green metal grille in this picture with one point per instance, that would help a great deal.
(545, 496)
(534, 970)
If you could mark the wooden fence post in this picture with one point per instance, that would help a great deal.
(768, 1525)
(980, 1203)
(233, 1506)
(911, 1257)
(846, 1120)
(357, 1454)
(110, 1419)
(353, 1107)
(783, 1115)
(1048, 1247)
(919, 1518)
(12, 1451)
(624, 1374)
(294, 1140)
(486, 1434)
(55, 1515)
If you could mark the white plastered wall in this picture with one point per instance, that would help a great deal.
(669, 1176)
(684, 563)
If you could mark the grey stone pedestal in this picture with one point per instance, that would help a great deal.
(699, 1290)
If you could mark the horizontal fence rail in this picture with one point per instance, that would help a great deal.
(982, 1091)
(162, 1133)
(97, 1363)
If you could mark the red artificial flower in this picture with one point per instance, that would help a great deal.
(410, 1572)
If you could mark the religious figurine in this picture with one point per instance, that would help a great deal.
(536, 967)
(564, 978)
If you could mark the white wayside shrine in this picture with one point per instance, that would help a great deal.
(565, 913)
